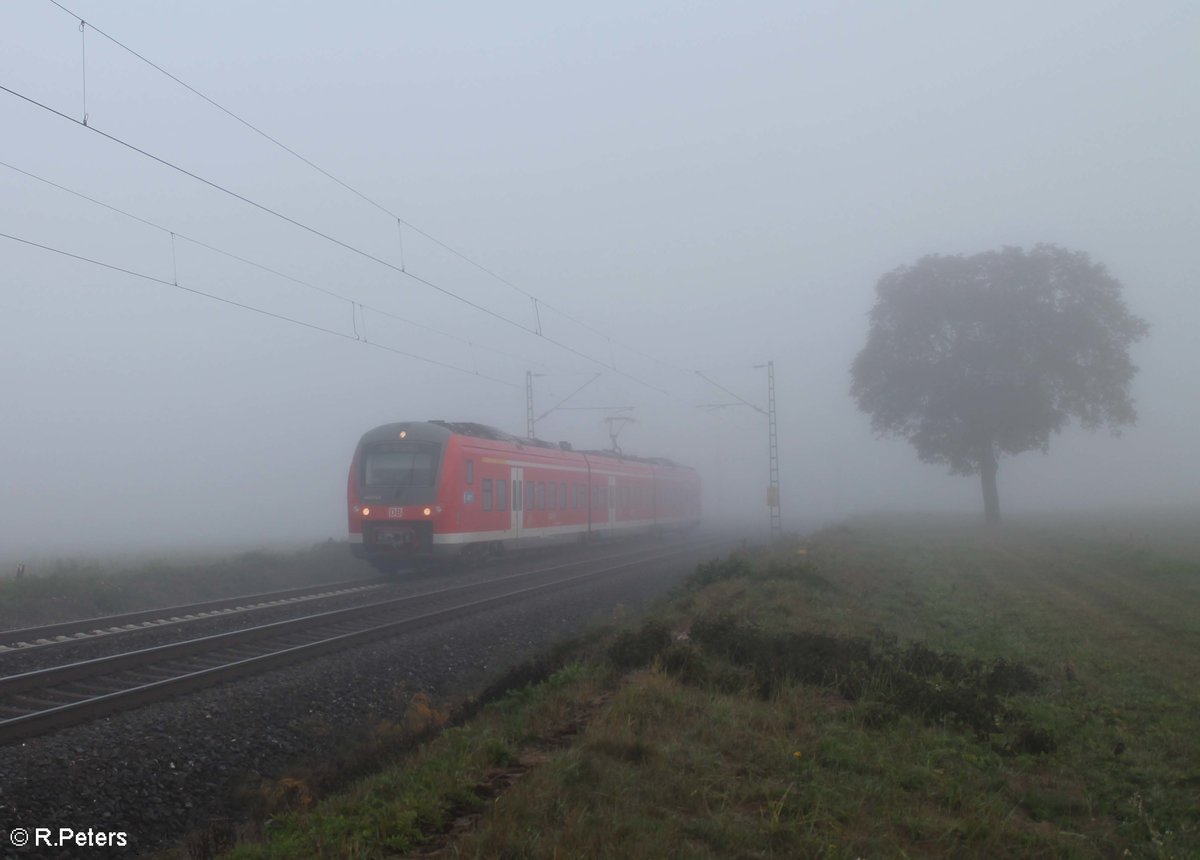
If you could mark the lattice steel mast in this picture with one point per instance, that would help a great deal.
(773, 454)
(529, 422)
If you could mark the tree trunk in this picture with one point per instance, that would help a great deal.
(987, 475)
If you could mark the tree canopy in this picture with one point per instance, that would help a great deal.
(973, 358)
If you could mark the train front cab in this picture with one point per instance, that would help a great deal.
(392, 494)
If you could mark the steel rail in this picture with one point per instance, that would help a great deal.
(81, 629)
(59, 716)
(99, 666)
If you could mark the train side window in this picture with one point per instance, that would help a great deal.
(530, 497)
(470, 471)
(502, 494)
(562, 495)
(552, 502)
(541, 495)
(487, 493)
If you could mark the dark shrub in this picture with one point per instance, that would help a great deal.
(733, 567)
(638, 648)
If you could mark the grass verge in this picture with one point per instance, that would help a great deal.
(875, 692)
(65, 590)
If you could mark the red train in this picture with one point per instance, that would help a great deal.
(430, 489)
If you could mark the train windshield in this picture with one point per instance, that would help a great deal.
(400, 464)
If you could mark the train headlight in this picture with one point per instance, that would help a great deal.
(366, 512)
(428, 511)
(403, 433)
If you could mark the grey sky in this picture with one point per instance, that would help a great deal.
(708, 185)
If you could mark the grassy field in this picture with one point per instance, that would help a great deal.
(65, 590)
(886, 689)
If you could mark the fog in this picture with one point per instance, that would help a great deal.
(681, 186)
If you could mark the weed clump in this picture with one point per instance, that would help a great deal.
(1028, 739)
(637, 648)
(800, 570)
(805, 657)
(888, 679)
(685, 662)
(735, 566)
(739, 566)
(1006, 678)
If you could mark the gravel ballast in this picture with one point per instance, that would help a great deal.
(169, 769)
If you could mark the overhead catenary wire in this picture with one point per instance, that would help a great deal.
(358, 308)
(253, 308)
(262, 207)
(568, 397)
(358, 315)
(537, 303)
(356, 192)
(367, 255)
(362, 307)
(737, 397)
(290, 151)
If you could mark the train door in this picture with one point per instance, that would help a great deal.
(518, 500)
(612, 500)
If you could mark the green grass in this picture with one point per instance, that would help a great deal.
(395, 810)
(887, 689)
(58, 591)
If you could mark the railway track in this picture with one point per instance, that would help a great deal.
(47, 700)
(67, 632)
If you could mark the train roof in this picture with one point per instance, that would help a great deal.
(430, 430)
(484, 431)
